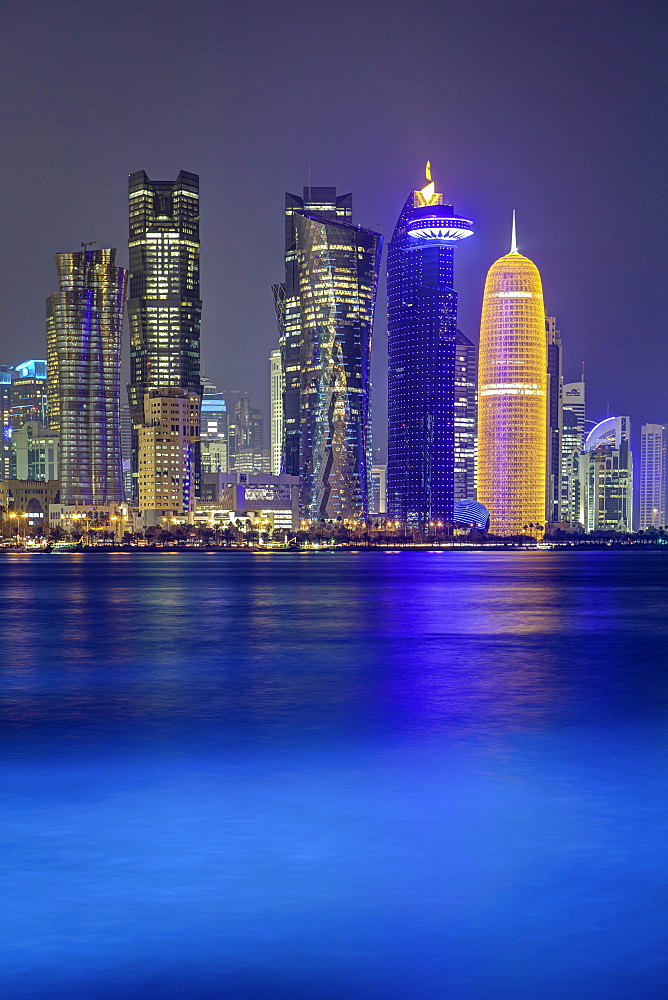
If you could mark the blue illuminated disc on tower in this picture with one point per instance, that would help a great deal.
(448, 229)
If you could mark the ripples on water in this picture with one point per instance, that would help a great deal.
(377, 775)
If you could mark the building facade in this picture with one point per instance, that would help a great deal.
(512, 396)
(422, 334)
(337, 265)
(168, 436)
(466, 417)
(606, 472)
(6, 372)
(572, 444)
(213, 430)
(29, 399)
(87, 319)
(164, 306)
(276, 387)
(35, 452)
(329, 206)
(554, 421)
(653, 476)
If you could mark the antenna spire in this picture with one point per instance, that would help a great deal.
(513, 239)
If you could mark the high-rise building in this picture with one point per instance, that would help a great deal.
(87, 317)
(337, 266)
(6, 373)
(512, 396)
(52, 384)
(554, 421)
(422, 332)
(277, 383)
(168, 435)
(466, 417)
(29, 399)
(329, 206)
(653, 476)
(607, 476)
(164, 306)
(572, 443)
(214, 430)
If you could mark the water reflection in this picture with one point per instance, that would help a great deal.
(418, 641)
(418, 775)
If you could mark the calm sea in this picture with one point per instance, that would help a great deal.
(334, 776)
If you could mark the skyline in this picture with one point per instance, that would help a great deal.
(567, 138)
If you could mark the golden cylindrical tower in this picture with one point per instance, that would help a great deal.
(512, 396)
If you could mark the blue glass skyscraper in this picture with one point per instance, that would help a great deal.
(422, 331)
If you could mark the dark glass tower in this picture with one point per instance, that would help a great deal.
(338, 266)
(86, 321)
(329, 206)
(422, 331)
(164, 306)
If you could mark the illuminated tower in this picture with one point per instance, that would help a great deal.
(334, 208)
(86, 323)
(164, 306)
(512, 396)
(422, 333)
(337, 266)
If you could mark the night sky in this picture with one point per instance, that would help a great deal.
(556, 109)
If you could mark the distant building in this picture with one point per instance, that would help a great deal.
(29, 398)
(466, 417)
(164, 306)
(554, 421)
(277, 383)
(167, 439)
(653, 476)
(607, 476)
(378, 503)
(52, 370)
(86, 320)
(5, 421)
(214, 431)
(19, 497)
(471, 514)
(126, 450)
(572, 443)
(422, 335)
(242, 493)
(35, 452)
(512, 391)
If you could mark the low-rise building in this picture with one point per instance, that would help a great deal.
(277, 497)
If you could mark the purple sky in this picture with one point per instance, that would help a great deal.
(555, 109)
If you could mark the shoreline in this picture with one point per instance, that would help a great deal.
(594, 545)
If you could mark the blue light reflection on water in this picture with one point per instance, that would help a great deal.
(418, 775)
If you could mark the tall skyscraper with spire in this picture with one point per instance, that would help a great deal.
(422, 332)
(85, 323)
(512, 395)
(164, 307)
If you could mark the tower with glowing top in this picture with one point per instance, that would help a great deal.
(422, 331)
(512, 396)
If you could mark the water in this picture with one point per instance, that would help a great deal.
(318, 776)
